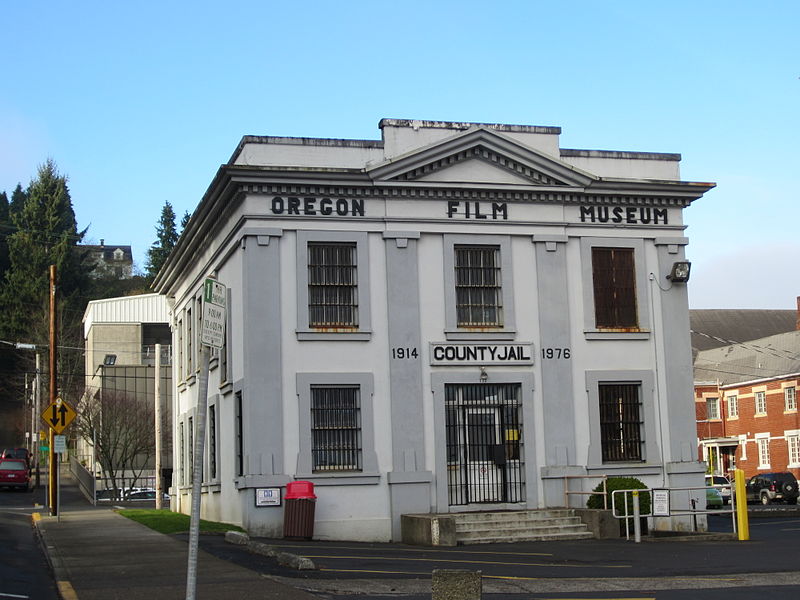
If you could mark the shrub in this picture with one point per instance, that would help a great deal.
(621, 483)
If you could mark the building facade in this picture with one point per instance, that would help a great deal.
(455, 317)
(121, 336)
(745, 419)
(110, 261)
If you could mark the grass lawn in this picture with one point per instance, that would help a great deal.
(166, 521)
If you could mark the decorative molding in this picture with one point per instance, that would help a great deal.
(418, 192)
(484, 154)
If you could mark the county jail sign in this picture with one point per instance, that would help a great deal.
(443, 354)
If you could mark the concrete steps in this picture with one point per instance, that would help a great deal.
(519, 526)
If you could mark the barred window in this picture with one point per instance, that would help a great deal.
(620, 422)
(332, 285)
(189, 342)
(239, 435)
(479, 298)
(182, 454)
(190, 450)
(335, 428)
(614, 279)
(212, 442)
(180, 350)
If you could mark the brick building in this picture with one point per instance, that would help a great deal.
(746, 405)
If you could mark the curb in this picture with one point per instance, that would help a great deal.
(285, 559)
(63, 585)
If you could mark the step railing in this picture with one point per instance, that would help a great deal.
(568, 492)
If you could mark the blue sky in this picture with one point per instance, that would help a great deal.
(139, 103)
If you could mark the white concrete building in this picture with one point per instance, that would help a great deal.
(452, 318)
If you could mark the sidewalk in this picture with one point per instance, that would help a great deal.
(97, 554)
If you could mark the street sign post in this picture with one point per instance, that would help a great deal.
(212, 334)
(58, 415)
(213, 326)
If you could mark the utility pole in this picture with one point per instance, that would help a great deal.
(157, 394)
(38, 410)
(53, 462)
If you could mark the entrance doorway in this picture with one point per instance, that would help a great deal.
(484, 439)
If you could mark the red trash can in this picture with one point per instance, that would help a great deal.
(298, 512)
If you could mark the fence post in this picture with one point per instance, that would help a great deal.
(637, 526)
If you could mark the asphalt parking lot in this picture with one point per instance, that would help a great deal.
(347, 570)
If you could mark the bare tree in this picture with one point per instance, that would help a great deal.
(120, 426)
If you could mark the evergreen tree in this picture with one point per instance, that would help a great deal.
(167, 237)
(6, 228)
(18, 197)
(185, 220)
(45, 233)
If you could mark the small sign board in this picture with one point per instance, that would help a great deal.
(213, 327)
(660, 503)
(59, 443)
(268, 496)
(58, 415)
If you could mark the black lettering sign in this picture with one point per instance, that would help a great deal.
(496, 211)
(312, 206)
(630, 215)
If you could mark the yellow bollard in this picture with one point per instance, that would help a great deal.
(742, 523)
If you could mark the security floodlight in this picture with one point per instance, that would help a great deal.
(680, 271)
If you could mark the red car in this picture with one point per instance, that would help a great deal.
(17, 453)
(14, 473)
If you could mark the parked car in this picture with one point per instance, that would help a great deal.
(772, 487)
(713, 498)
(21, 453)
(145, 494)
(14, 473)
(722, 484)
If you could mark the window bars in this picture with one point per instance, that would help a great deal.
(335, 428)
(478, 284)
(620, 422)
(332, 285)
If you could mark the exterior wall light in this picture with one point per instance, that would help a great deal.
(680, 271)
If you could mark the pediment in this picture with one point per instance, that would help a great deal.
(480, 156)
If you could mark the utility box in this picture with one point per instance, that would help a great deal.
(298, 512)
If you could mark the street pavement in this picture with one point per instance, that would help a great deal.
(97, 554)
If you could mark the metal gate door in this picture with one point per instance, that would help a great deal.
(484, 435)
(484, 477)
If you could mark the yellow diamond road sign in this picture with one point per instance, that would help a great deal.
(58, 415)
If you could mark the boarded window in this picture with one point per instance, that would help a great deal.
(332, 285)
(614, 288)
(479, 298)
(335, 428)
(620, 422)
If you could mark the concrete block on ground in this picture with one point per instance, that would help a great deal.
(428, 530)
